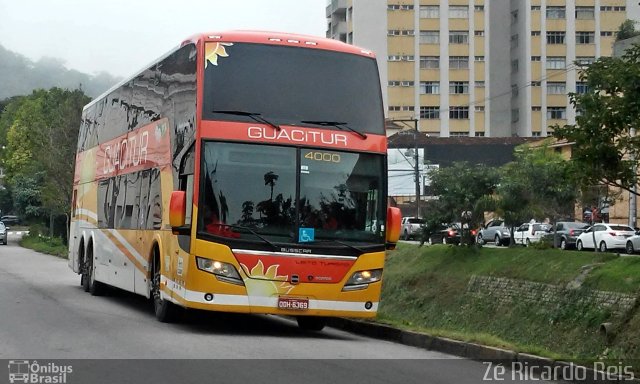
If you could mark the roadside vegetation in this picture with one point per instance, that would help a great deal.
(44, 244)
(425, 289)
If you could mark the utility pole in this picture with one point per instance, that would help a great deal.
(416, 158)
(632, 194)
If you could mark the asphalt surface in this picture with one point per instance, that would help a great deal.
(45, 315)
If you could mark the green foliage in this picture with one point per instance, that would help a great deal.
(604, 152)
(627, 30)
(39, 157)
(49, 245)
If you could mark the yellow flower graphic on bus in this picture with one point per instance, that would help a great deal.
(214, 50)
(261, 283)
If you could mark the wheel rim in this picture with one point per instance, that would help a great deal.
(563, 244)
(444, 240)
(155, 287)
(579, 245)
(603, 247)
(497, 240)
(629, 248)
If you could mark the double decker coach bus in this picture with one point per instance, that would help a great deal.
(241, 172)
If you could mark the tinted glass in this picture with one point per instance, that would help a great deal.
(416, 221)
(287, 85)
(252, 190)
(621, 228)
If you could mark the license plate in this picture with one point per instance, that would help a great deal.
(291, 303)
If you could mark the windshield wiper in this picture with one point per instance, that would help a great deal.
(358, 249)
(254, 116)
(336, 124)
(275, 247)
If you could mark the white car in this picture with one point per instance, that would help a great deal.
(633, 244)
(411, 227)
(607, 236)
(529, 233)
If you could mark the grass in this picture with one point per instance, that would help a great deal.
(425, 290)
(49, 245)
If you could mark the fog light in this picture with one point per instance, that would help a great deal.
(368, 305)
(208, 297)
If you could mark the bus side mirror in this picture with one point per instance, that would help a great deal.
(394, 217)
(177, 209)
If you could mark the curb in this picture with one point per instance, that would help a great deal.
(531, 364)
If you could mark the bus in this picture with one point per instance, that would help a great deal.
(241, 172)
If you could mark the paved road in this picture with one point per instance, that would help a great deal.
(44, 314)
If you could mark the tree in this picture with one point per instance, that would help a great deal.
(627, 30)
(41, 148)
(461, 191)
(604, 150)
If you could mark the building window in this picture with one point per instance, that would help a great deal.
(479, 8)
(429, 62)
(479, 108)
(585, 13)
(429, 37)
(400, 58)
(535, 8)
(430, 87)
(458, 12)
(536, 58)
(395, 83)
(515, 91)
(556, 88)
(400, 32)
(613, 9)
(536, 108)
(555, 37)
(585, 38)
(536, 83)
(514, 17)
(458, 62)
(478, 33)
(556, 113)
(514, 66)
(556, 13)
(479, 134)
(430, 112)
(582, 88)
(479, 58)
(606, 33)
(458, 134)
(459, 113)
(536, 134)
(556, 62)
(584, 61)
(515, 115)
(458, 37)
(514, 41)
(459, 87)
(429, 11)
(394, 108)
(479, 84)
(535, 33)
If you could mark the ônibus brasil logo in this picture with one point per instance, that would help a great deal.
(25, 371)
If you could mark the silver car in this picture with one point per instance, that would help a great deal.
(494, 231)
(3, 233)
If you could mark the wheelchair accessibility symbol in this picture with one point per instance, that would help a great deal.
(306, 235)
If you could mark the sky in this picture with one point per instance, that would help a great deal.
(122, 36)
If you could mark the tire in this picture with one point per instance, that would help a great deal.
(579, 245)
(528, 243)
(497, 241)
(629, 248)
(406, 235)
(311, 323)
(603, 246)
(563, 244)
(85, 270)
(96, 288)
(444, 240)
(479, 239)
(165, 311)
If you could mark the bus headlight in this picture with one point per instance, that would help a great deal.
(223, 271)
(362, 279)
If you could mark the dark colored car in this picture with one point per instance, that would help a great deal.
(446, 234)
(565, 233)
(10, 220)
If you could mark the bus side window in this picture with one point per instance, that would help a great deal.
(186, 180)
(154, 208)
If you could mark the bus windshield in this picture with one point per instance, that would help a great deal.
(291, 86)
(253, 192)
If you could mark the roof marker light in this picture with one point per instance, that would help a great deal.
(274, 39)
(215, 37)
(366, 52)
(311, 43)
(293, 41)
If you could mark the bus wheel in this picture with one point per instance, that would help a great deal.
(311, 323)
(166, 311)
(96, 288)
(85, 269)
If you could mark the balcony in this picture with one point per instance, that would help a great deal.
(336, 6)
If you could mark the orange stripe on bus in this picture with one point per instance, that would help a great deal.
(126, 252)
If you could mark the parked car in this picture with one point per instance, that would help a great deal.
(3, 233)
(10, 220)
(446, 234)
(566, 233)
(494, 231)
(529, 233)
(411, 227)
(633, 244)
(607, 236)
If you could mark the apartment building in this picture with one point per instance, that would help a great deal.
(481, 67)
